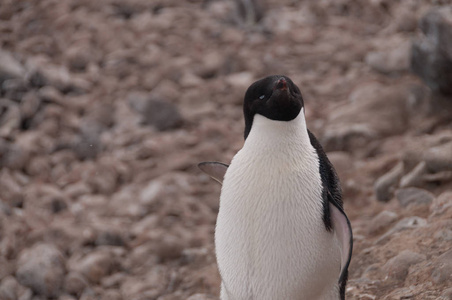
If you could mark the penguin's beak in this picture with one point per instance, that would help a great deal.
(281, 85)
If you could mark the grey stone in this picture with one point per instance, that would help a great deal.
(397, 267)
(42, 269)
(9, 118)
(8, 288)
(75, 283)
(373, 111)
(156, 112)
(382, 221)
(385, 185)
(404, 224)
(442, 271)
(439, 158)
(87, 146)
(441, 203)
(200, 297)
(391, 61)
(151, 192)
(169, 248)
(431, 57)
(10, 67)
(109, 238)
(14, 88)
(97, 264)
(414, 177)
(447, 294)
(413, 196)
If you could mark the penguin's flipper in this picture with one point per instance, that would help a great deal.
(343, 232)
(216, 170)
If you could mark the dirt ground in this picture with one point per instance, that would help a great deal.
(107, 106)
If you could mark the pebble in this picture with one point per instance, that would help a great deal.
(155, 111)
(382, 221)
(414, 177)
(9, 118)
(441, 203)
(385, 185)
(373, 111)
(201, 297)
(442, 272)
(413, 196)
(240, 81)
(432, 55)
(97, 264)
(75, 283)
(404, 224)
(8, 288)
(41, 268)
(447, 294)
(397, 267)
(169, 247)
(151, 192)
(10, 67)
(439, 158)
(109, 238)
(390, 61)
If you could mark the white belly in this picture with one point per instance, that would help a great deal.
(271, 242)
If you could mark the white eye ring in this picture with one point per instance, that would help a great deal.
(262, 97)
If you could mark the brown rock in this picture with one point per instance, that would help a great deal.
(155, 111)
(441, 203)
(169, 247)
(109, 238)
(442, 271)
(10, 67)
(397, 267)
(9, 118)
(382, 221)
(75, 283)
(8, 288)
(151, 192)
(391, 61)
(415, 176)
(111, 295)
(413, 196)
(385, 185)
(373, 111)
(431, 57)
(404, 224)
(11, 190)
(42, 269)
(447, 294)
(97, 264)
(201, 297)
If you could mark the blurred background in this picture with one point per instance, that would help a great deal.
(107, 106)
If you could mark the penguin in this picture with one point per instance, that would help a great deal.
(281, 230)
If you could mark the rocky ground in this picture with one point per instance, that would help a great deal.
(107, 106)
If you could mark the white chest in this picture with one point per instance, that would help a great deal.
(271, 242)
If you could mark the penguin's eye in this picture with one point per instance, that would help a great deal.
(261, 97)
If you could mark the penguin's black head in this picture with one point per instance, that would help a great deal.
(275, 97)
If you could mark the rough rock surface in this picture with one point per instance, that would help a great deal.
(432, 54)
(107, 106)
(41, 268)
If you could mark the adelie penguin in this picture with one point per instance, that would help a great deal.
(281, 231)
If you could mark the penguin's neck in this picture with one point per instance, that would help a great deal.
(271, 135)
